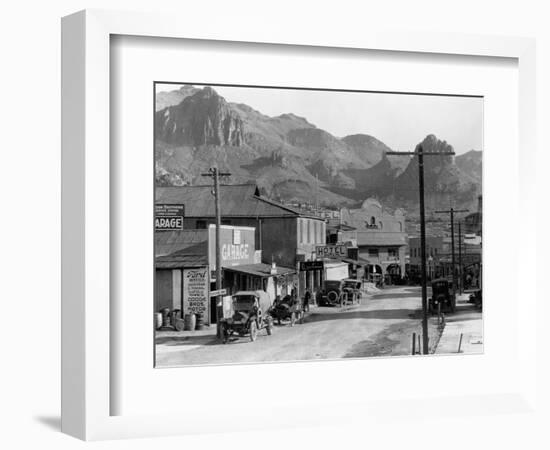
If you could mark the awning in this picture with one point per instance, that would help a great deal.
(260, 270)
(357, 262)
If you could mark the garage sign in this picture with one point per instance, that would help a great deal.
(169, 217)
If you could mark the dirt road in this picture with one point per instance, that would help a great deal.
(381, 326)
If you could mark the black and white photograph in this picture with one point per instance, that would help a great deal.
(299, 224)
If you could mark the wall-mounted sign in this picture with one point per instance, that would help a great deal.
(169, 217)
(237, 246)
(311, 265)
(331, 251)
(195, 291)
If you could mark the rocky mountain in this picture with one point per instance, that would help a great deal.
(164, 99)
(291, 159)
(470, 163)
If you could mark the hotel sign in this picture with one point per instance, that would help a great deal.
(331, 251)
(169, 217)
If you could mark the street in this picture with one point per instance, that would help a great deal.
(382, 325)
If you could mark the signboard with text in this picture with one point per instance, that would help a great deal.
(195, 291)
(169, 217)
(237, 246)
(311, 265)
(331, 251)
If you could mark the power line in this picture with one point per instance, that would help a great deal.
(452, 212)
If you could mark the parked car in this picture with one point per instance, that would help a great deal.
(340, 292)
(441, 295)
(250, 314)
(287, 308)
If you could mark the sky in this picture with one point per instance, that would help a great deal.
(399, 121)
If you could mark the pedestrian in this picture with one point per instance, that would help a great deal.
(307, 298)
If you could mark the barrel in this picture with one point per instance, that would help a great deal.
(189, 322)
(158, 320)
(200, 322)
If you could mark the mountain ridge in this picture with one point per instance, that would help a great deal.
(293, 160)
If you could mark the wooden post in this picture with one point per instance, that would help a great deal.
(460, 343)
(414, 344)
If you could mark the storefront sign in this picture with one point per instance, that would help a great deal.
(169, 217)
(311, 265)
(237, 246)
(218, 292)
(195, 291)
(331, 251)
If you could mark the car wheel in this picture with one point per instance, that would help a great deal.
(225, 334)
(253, 331)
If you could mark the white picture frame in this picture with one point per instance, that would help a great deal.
(86, 215)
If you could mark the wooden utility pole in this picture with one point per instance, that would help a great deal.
(460, 277)
(452, 212)
(421, 153)
(215, 174)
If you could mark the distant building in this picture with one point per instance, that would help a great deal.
(381, 239)
(473, 223)
(437, 247)
(439, 256)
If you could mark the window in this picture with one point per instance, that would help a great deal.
(226, 222)
(308, 225)
(392, 252)
(201, 224)
(300, 231)
(373, 252)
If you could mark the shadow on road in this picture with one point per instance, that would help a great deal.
(376, 314)
(186, 340)
(395, 295)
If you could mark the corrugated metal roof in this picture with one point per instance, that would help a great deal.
(242, 200)
(194, 242)
(180, 260)
(260, 270)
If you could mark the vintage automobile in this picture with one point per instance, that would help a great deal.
(287, 308)
(442, 295)
(340, 292)
(250, 313)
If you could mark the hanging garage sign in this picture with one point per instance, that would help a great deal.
(169, 217)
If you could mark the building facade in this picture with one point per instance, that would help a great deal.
(282, 235)
(182, 253)
(381, 240)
